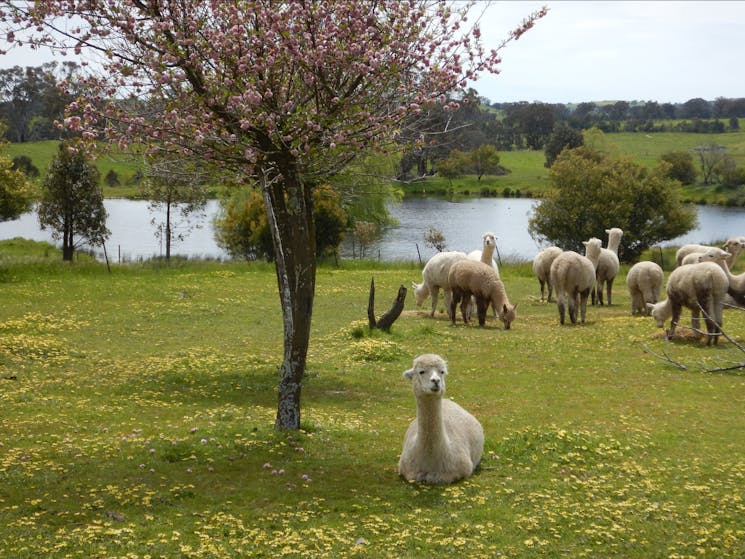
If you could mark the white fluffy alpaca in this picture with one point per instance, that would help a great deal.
(445, 442)
(542, 269)
(608, 266)
(695, 286)
(486, 254)
(573, 277)
(434, 277)
(644, 281)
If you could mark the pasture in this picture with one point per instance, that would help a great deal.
(527, 177)
(138, 409)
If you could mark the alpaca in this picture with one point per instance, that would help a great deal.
(608, 266)
(644, 281)
(736, 289)
(445, 442)
(542, 269)
(696, 286)
(434, 277)
(486, 254)
(469, 278)
(734, 246)
(573, 277)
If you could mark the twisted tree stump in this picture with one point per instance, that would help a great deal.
(387, 320)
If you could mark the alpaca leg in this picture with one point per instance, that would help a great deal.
(482, 305)
(550, 289)
(542, 287)
(608, 288)
(454, 300)
(465, 307)
(560, 304)
(573, 304)
(676, 308)
(583, 304)
(435, 294)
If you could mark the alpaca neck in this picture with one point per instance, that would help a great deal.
(487, 254)
(734, 253)
(430, 425)
(613, 242)
(665, 309)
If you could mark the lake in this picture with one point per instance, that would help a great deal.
(461, 222)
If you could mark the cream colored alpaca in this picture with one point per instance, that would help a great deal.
(486, 254)
(573, 277)
(695, 286)
(608, 266)
(445, 442)
(542, 269)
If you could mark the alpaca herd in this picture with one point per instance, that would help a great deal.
(445, 442)
(472, 280)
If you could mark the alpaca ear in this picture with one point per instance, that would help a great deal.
(650, 306)
(409, 374)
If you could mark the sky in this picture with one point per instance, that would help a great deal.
(669, 51)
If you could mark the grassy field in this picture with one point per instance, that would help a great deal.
(138, 408)
(527, 177)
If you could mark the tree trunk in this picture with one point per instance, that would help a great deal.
(168, 231)
(67, 242)
(289, 206)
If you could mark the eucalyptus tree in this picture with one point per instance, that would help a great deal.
(72, 202)
(285, 94)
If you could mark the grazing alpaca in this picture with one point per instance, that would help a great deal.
(696, 286)
(445, 442)
(644, 281)
(542, 269)
(434, 277)
(468, 279)
(608, 266)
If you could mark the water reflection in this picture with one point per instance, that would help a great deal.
(461, 222)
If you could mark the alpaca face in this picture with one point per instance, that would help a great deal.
(420, 292)
(716, 255)
(507, 314)
(657, 312)
(489, 239)
(428, 375)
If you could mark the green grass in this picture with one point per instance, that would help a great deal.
(138, 407)
(527, 177)
(125, 166)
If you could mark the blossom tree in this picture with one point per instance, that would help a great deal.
(284, 94)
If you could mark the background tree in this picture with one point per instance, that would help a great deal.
(72, 202)
(435, 238)
(453, 166)
(241, 229)
(681, 167)
(24, 164)
(16, 194)
(283, 93)
(30, 100)
(175, 185)
(112, 179)
(709, 156)
(563, 136)
(484, 160)
(591, 193)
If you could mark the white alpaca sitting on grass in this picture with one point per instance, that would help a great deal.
(445, 442)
